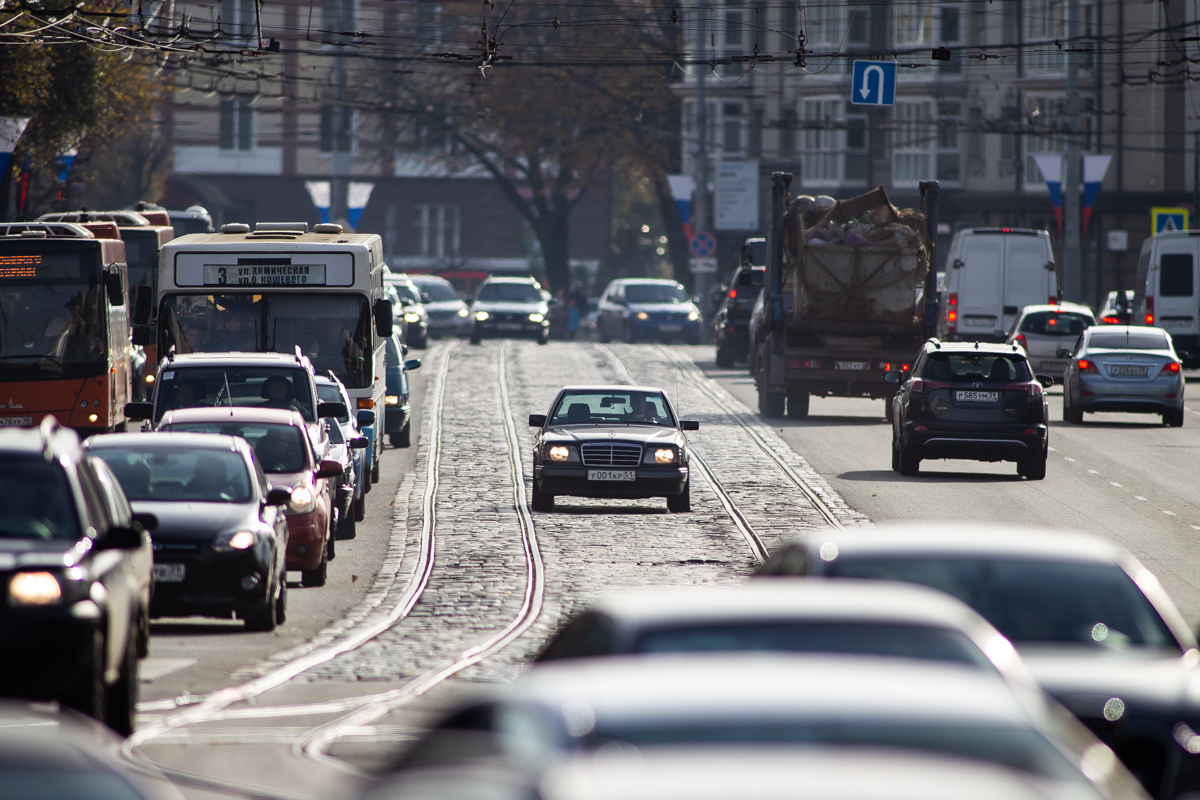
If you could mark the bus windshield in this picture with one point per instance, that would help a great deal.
(52, 321)
(141, 256)
(334, 331)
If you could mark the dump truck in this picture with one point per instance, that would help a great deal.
(850, 294)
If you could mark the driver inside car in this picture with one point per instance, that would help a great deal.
(641, 410)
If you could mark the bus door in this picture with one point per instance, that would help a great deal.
(142, 246)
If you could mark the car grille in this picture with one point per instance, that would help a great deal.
(612, 455)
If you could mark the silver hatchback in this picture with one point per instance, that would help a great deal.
(1043, 329)
(1124, 368)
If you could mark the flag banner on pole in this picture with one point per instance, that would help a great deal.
(357, 198)
(320, 193)
(11, 129)
(1052, 170)
(1094, 169)
(681, 190)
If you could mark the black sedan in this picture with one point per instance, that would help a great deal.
(222, 534)
(611, 441)
(971, 401)
(1092, 624)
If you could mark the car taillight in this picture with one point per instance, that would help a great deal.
(733, 294)
(1171, 369)
(952, 312)
(1149, 310)
(1110, 320)
(1032, 388)
(1087, 366)
(1053, 300)
(924, 385)
(1022, 341)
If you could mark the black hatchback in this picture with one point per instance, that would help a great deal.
(979, 402)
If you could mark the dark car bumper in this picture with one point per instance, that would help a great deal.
(44, 652)
(664, 328)
(212, 585)
(573, 480)
(975, 443)
(495, 330)
(449, 325)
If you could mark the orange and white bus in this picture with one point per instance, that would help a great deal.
(64, 330)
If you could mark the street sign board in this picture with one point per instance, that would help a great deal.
(703, 244)
(874, 83)
(737, 195)
(703, 266)
(1163, 220)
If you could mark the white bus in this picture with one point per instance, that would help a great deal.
(280, 288)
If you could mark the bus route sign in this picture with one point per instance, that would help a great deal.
(264, 275)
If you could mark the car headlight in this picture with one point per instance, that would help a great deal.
(693, 316)
(664, 455)
(412, 316)
(481, 315)
(392, 399)
(462, 312)
(302, 500)
(535, 317)
(561, 453)
(643, 315)
(34, 589)
(238, 540)
(149, 379)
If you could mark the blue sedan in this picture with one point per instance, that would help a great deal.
(1123, 368)
(637, 309)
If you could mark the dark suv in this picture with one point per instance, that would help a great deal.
(972, 401)
(732, 322)
(75, 566)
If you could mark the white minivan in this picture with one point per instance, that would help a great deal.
(1166, 291)
(991, 273)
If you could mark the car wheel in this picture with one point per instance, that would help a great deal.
(1033, 468)
(682, 502)
(908, 462)
(406, 435)
(317, 576)
(422, 343)
(335, 523)
(895, 453)
(797, 403)
(1070, 413)
(726, 359)
(770, 404)
(87, 696)
(394, 439)
(1173, 417)
(281, 599)
(143, 633)
(121, 706)
(628, 335)
(347, 527)
(360, 507)
(262, 621)
(544, 336)
(540, 501)
(602, 332)
(375, 470)
(889, 412)
(476, 339)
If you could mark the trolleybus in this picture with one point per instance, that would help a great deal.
(64, 330)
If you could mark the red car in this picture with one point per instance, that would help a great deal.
(288, 458)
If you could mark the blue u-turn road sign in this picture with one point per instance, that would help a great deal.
(874, 83)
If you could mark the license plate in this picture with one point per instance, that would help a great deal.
(612, 475)
(670, 328)
(508, 326)
(977, 397)
(1054, 366)
(979, 322)
(15, 422)
(169, 573)
(1176, 324)
(1127, 371)
(850, 364)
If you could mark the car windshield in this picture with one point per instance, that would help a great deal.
(1097, 605)
(598, 408)
(279, 448)
(335, 434)
(406, 292)
(333, 330)
(1128, 340)
(968, 367)
(437, 291)
(37, 501)
(509, 293)
(178, 474)
(655, 293)
(253, 387)
(859, 638)
(1055, 323)
(1018, 748)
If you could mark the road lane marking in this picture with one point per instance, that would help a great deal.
(1139, 497)
(151, 669)
(1114, 483)
(1168, 513)
(1067, 458)
(1094, 472)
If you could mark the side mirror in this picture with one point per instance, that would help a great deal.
(114, 288)
(148, 521)
(696, 299)
(553, 301)
(359, 443)
(958, 263)
(279, 497)
(332, 410)
(120, 539)
(689, 425)
(411, 364)
(1062, 352)
(537, 420)
(383, 317)
(328, 469)
(143, 305)
(1045, 380)
(142, 335)
(139, 411)
(893, 376)
(365, 416)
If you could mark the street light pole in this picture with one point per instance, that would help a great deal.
(339, 186)
(700, 168)
(1072, 273)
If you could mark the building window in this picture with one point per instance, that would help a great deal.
(337, 21)
(236, 126)
(438, 230)
(731, 128)
(827, 24)
(929, 25)
(835, 145)
(912, 142)
(239, 21)
(949, 159)
(754, 135)
(1046, 23)
(787, 132)
(337, 129)
(1049, 114)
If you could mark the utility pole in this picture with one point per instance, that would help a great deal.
(1072, 269)
(339, 186)
(700, 220)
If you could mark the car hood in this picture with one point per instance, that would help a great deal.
(446, 305)
(196, 522)
(40, 552)
(1148, 685)
(287, 480)
(614, 433)
(531, 307)
(662, 308)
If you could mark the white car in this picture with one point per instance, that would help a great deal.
(1045, 329)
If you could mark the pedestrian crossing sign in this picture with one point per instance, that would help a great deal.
(1163, 220)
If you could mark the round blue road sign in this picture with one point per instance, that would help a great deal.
(703, 244)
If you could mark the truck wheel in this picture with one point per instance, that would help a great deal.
(797, 403)
(909, 462)
(770, 404)
(726, 358)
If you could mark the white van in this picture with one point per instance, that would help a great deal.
(1166, 291)
(991, 273)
